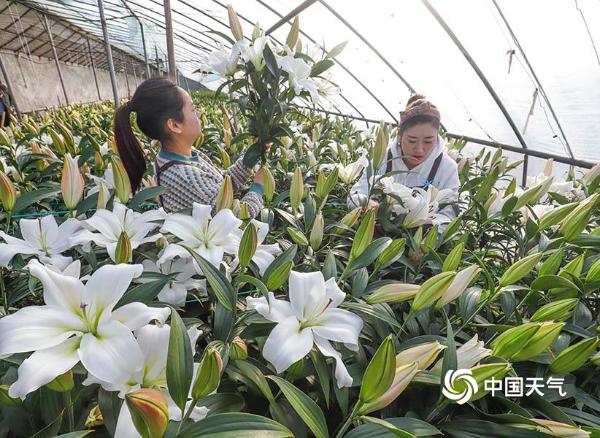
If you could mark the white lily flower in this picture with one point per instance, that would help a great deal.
(77, 323)
(104, 228)
(311, 317)
(423, 206)
(347, 174)
(176, 290)
(151, 372)
(71, 182)
(224, 62)
(468, 355)
(210, 237)
(42, 237)
(254, 53)
(299, 75)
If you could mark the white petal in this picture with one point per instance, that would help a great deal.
(307, 293)
(113, 355)
(262, 259)
(201, 214)
(61, 241)
(125, 427)
(107, 285)
(45, 365)
(36, 327)
(135, 315)
(342, 377)
(287, 344)
(181, 226)
(339, 325)
(222, 225)
(57, 260)
(60, 290)
(274, 310)
(262, 229)
(154, 344)
(171, 251)
(9, 250)
(174, 295)
(214, 254)
(73, 270)
(106, 222)
(334, 293)
(31, 231)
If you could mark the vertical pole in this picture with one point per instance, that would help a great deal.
(124, 64)
(145, 51)
(156, 59)
(60, 76)
(94, 69)
(135, 78)
(111, 65)
(10, 89)
(170, 46)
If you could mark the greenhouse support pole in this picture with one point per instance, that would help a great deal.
(10, 89)
(145, 50)
(170, 45)
(109, 58)
(156, 59)
(55, 55)
(94, 69)
(302, 6)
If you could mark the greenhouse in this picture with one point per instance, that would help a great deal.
(315, 218)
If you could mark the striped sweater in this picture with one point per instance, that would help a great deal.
(200, 182)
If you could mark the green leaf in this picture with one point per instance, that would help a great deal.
(387, 426)
(26, 199)
(110, 406)
(286, 256)
(143, 293)
(547, 282)
(255, 375)
(270, 61)
(144, 195)
(279, 276)
(306, 408)
(450, 357)
(371, 253)
(322, 374)
(221, 403)
(78, 434)
(248, 245)
(180, 362)
(235, 425)
(416, 427)
(471, 428)
(87, 203)
(219, 284)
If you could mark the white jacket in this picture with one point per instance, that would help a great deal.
(446, 176)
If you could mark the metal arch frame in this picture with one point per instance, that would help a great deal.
(539, 84)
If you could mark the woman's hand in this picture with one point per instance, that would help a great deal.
(372, 205)
(258, 177)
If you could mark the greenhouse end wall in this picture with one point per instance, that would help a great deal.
(36, 85)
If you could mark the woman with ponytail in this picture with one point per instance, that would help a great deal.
(165, 112)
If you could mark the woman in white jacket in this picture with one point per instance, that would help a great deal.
(416, 157)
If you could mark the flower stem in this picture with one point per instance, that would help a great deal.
(70, 414)
(8, 218)
(4, 291)
(187, 415)
(348, 421)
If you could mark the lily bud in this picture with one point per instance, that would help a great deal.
(432, 290)
(268, 183)
(364, 235)
(380, 372)
(57, 141)
(296, 189)
(149, 412)
(513, 340)
(316, 234)
(555, 215)
(123, 252)
(579, 218)
(454, 257)
(292, 37)
(390, 254)
(225, 195)
(459, 284)
(556, 429)
(380, 147)
(591, 174)
(248, 245)
(481, 373)
(122, 183)
(103, 196)
(244, 212)
(575, 356)
(209, 374)
(98, 160)
(239, 349)
(393, 293)
(533, 195)
(4, 138)
(556, 310)
(72, 182)
(350, 218)
(540, 341)
(297, 236)
(234, 24)
(8, 193)
(403, 376)
(423, 354)
(519, 269)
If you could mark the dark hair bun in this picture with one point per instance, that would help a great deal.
(414, 98)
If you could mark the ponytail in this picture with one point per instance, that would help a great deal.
(131, 152)
(155, 101)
